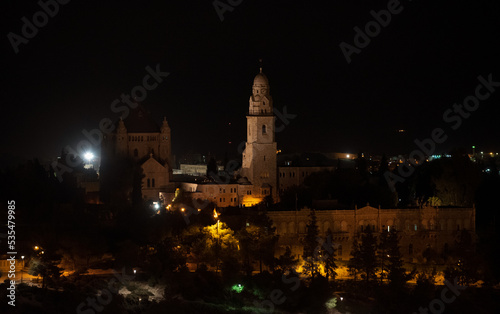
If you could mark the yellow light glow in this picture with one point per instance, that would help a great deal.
(36, 248)
(183, 209)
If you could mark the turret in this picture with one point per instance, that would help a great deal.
(121, 138)
(165, 143)
(261, 102)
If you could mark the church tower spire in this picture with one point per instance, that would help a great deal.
(259, 158)
(261, 101)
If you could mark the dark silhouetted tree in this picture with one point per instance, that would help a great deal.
(327, 252)
(367, 253)
(286, 261)
(355, 264)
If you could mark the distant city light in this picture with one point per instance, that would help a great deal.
(348, 155)
(88, 156)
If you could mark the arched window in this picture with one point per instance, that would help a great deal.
(149, 183)
(302, 227)
(343, 226)
(326, 226)
(282, 228)
(136, 153)
(264, 129)
(153, 182)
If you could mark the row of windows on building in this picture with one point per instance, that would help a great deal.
(140, 138)
(233, 190)
(223, 199)
(449, 225)
(292, 174)
(136, 152)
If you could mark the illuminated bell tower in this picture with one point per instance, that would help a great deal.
(259, 157)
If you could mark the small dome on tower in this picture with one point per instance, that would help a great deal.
(260, 79)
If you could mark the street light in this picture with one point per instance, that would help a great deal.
(216, 216)
(22, 258)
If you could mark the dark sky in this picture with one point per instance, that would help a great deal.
(427, 58)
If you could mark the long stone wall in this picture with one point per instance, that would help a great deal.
(433, 228)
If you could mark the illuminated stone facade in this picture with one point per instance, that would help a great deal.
(258, 175)
(140, 138)
(436, 229)
(259, 157)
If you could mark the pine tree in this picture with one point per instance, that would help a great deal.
(310, 255)
(328, 255)
(396, 272)
(367, 251)
(383, 253)
(286, 262)
(354, 264)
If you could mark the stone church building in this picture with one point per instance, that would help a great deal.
(140, 138)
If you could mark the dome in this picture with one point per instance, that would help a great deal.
(260, 79)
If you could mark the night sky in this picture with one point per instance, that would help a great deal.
(427, 58)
